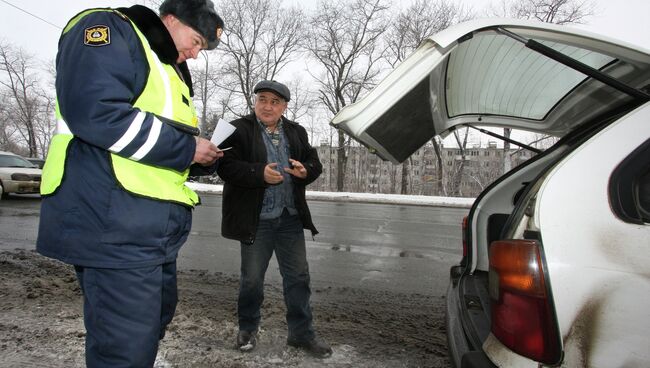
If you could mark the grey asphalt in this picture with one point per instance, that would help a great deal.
(405, 248)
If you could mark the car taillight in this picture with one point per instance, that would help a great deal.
(523, 318)
(464, 237)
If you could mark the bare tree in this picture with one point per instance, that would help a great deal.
(316, 124)
(28, 104)
(345, 42)
(260, 39)
(548, 11)
(458, 173)
(7, 128)
(303, 102)
(44, 124)
(417, 22)
(440, 188)
(215, 114)
(204, 84)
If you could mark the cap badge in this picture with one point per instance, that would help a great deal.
(97, 36)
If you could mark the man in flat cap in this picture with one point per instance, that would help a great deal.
(114, 201)
(264, 208)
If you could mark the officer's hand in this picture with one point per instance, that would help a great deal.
(206, 152)
(271, 175)
(297, 169)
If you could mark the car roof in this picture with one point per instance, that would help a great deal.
(482, 73)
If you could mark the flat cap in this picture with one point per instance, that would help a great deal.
(275, 87)
(198, 14)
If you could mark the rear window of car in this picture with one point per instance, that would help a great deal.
(495, 74)
(14, 161)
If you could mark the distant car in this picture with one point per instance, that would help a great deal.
(17, 175)
(556, 253)
(39, 162)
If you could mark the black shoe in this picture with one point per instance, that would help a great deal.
(316, 347)
(246, 340)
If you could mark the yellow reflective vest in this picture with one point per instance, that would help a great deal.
(163, 95)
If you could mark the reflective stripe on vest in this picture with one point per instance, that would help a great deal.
(165, 94)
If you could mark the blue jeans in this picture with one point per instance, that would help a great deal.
(285, 236)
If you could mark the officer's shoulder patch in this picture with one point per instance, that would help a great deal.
(98, 35)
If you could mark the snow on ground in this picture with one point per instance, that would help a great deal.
(362, 197)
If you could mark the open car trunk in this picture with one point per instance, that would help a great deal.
(530, 76)
(519, 75)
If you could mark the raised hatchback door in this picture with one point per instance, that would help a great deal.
(485, 73)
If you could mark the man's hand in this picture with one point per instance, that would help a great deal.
(297, 169)
(206, 152)
(271, 175)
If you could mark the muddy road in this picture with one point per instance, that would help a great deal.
(377, 293)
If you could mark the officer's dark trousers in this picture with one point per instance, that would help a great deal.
(126, 312)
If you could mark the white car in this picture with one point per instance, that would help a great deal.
(556, 263)
(17, 175)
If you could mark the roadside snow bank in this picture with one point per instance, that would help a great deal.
(362, 197)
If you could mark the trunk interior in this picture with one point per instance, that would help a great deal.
(489, 220)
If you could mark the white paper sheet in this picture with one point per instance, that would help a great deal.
(222, 131)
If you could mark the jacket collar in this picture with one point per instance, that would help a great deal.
(161, 42)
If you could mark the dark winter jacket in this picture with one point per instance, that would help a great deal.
(242, 169)
(90, 220)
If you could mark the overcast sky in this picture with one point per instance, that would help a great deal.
(35, 25)
(626, 20)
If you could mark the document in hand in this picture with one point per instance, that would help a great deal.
(222, 131)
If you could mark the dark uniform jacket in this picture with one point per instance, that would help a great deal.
(242, 169)
(90, 220)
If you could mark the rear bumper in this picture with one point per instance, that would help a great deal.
(460, 352)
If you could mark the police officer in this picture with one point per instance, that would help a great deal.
(114, 201)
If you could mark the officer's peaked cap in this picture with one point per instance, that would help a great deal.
(198, 14)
